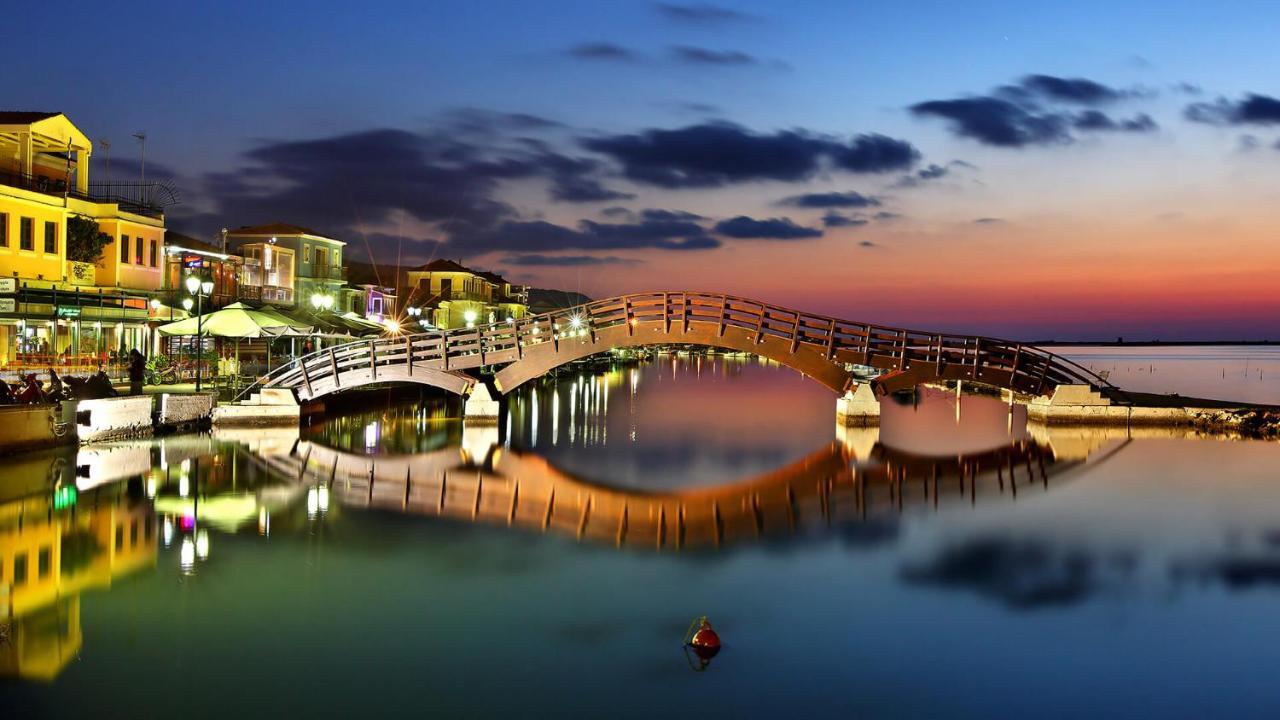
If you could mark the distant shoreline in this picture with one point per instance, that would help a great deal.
(1152, 343)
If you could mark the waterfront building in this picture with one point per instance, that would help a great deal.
(452, 295)
(53, 307)
(309, 261)
(368, 293)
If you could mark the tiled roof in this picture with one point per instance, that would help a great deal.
(445, 265)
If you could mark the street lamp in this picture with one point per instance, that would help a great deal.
(470, 317)
(198, 288)
(319, 301)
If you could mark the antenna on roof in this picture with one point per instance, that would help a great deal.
(141, 137)
(105, 144)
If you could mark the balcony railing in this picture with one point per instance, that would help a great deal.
(328, 272)
(148, 199)
(267, 294)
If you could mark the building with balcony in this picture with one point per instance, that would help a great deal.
(53, 307)
(185, 255)
(452, 295)
(316, 259)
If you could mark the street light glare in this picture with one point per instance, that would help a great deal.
(193, 284)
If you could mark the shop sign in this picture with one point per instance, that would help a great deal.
(82, 273)
(68, 311)
(8, 285)
(192, 262)
(8, 305)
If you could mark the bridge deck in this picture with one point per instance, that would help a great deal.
(818, 345)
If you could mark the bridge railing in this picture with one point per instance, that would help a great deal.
(1026, 367)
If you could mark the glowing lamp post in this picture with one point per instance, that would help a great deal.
(470, 317)
(199, 288)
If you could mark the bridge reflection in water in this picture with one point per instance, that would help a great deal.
(846, 480)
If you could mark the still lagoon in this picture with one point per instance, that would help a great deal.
(955, 561)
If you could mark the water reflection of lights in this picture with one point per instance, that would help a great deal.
(166, 531)
(187, 555)
(317, 501)
(264, 522)
(202, 544)
(372, 433)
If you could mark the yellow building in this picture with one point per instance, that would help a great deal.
(48, 304)
(452, 295)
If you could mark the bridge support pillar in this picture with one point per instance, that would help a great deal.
(859, 406)
(481, 407)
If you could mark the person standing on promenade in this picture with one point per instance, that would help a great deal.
(137, 371)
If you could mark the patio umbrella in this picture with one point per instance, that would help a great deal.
(238, 321)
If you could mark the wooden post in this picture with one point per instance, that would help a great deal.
(831, 339)
(408, 353)
(724, 314)
(333, 366)
(795, 334)
(666, 313)
(306, 379)
(626, 315)
(373, 360)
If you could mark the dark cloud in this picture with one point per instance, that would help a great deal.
(886, 216)
(1071, 90)
(874, 154)
(704, 56)
(834, 219)
(581, 189)
(660, 215)
(603, 51)
(364, 177)
(616, 211)
(1030, 112)
(867, 243)
(1187, 88)
(1253, 109)
(538, 260)
(539, 236)
(995, 121)
(717, 154)
(699, 13)
(747, 228)
(482, 122)
(1096, 120)
(848, 199)
(126, 170)
(932, 172)
(988, 221)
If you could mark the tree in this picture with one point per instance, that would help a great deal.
(85, 241)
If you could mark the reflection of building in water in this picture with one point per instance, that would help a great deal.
(53, 548)
(844, 481)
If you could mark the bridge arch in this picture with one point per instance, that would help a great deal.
(820, 346)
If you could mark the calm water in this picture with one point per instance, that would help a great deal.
(954, 562)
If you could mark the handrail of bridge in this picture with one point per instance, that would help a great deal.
(1030, 369)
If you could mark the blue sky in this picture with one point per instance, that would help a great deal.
(212, 83)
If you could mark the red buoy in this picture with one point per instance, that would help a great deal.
(705, 642)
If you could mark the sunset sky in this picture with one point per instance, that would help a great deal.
(1086, 171)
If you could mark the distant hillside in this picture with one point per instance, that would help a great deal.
(543, 300)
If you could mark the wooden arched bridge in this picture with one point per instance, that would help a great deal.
(822, 347)
(519, 489)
